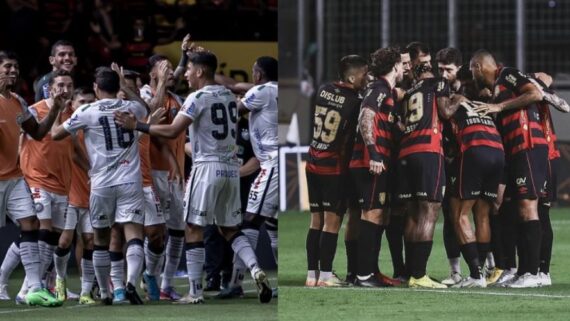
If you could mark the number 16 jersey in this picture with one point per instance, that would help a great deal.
(113, 151)
(213, 110)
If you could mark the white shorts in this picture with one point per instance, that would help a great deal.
(50, 206)
(175, 216)
(264, 193)
(152, 210)
(117, 204)
(15, 200)
(212, 195)
(78, 218)
(160, 183)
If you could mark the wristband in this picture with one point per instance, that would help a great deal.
(373, 153)
(142, 127)
(183, 60)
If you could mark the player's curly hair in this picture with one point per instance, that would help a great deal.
(383, 60)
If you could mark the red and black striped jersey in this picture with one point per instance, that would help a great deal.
(422, 130)
(472, 129)
(547, 123)
(521, 128)
(380, 99)
(334, 127)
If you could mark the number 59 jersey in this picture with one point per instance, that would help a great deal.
(112, 150)
(213, 110)
(334, 128)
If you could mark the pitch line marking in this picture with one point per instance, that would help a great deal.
(530, 295)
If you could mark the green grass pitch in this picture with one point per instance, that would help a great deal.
(300, 303)
(246, 309)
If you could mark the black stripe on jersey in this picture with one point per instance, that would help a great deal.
(357, 154)
(537, 133)
(324, 162)
(481, 135)
(420, 140)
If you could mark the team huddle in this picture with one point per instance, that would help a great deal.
(107, 162)
(394, 142)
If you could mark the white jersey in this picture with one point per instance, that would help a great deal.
(213, 110)
(261, 100)
(113, 151)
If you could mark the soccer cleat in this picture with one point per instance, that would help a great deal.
(556, 102)
(108, 301)
(545, 279)
(493, 276)
(4, 292)
(132, 295)
(370, 281)
(387, 281)
(506, 277)
(60, 289)
(188, 299)
(42, 297)
(20, 299)
(72, 295)
(230, 293)
(332, 281)
(169, 294)
(150, 286)
(274, 293)
(212, 285)
(263, 287)
(119, 296)
(526, 280)
(311, 282)
(425, 282)
(87, 300)
(470, 282)
(350, 278)
(454, 278)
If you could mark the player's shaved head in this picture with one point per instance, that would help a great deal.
(348, 64)
(483, 56)
(483, 67)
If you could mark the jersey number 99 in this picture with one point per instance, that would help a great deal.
(220, 117)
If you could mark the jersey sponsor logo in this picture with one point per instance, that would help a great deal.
(245, 134)
(197, 212)
(39, 207)
(475, 193)
(133, 211)
(421, 194)
(380, 98)
(250, 99)
(511, 79)
(453, 179)
(236, 213)
(190, 109)
(521, 181)
(338, 99)
(488, 194)
(226, 173)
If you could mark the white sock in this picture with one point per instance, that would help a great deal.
(195, 258)
(173, 253)
(325, 275)
(152, 260)
(46, 255)
(244, 250)
(490, 260)
(117, 270)
(252, 235)
(11, 261)
(102, 267)
(88, 274)
(311, 274)
(455, 265)
(238, 272)
(60, 258)
(30, 256)
(135, 260)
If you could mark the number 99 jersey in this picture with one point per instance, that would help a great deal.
(112, 150)
(213, 110)
(334, 127)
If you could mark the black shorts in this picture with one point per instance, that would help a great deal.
(451, 173)
(372, 189)
(479, 173)
(326, 193)
(551, 182)
(527, 173)
(421, 177)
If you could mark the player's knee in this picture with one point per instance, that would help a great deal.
(87, 241)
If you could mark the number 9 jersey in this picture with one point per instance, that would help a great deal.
(213, 110)
(112, 150)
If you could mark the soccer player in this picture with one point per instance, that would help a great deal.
(420, 165)
(212, 194)
(15, 197)
(474, 183)
(371, 160)
(448, 62)
(62, 58)
(77, 217)
(334, 125)
(167, 176)
(116, 181)
(515, 101)
(261, 102)
(419, 54)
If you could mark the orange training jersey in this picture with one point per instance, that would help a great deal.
(10, 109)
(144, 150)
(79, 190)
(47, 163)
(176, 145)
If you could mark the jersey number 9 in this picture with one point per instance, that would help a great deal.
(220, 117)
(326, 124)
